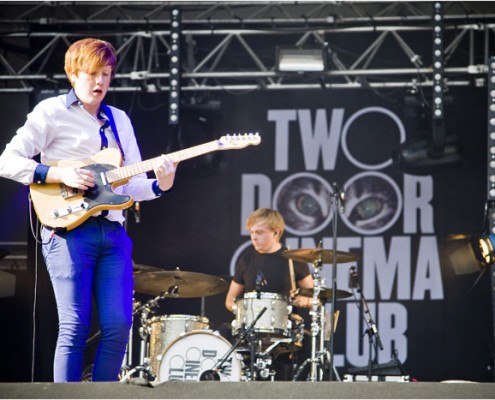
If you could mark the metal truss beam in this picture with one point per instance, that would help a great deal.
(231, 46)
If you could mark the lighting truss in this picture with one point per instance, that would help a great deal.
(231, 46)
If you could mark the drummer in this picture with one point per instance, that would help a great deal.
(262, 268)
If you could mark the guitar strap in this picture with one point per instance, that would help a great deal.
(108, 112)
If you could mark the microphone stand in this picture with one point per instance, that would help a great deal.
(372, 330)
(212, 375)
(338, 205)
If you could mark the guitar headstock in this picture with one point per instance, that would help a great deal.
(239, 141)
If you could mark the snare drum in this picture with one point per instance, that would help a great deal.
(165, 329)
(273, 322)
(197, 352)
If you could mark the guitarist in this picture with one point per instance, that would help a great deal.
(94, 258)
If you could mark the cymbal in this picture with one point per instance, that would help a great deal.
(325, 293)
(317, 254)
(179, 284)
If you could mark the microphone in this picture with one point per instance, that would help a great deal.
(260, 283)
(340, 194)
(353, 278)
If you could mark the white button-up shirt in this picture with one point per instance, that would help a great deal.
(57, 130)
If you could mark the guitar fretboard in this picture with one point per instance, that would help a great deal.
(123, 173)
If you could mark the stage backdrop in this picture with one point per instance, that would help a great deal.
(438, 324)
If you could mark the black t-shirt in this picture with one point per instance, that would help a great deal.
(273, 266)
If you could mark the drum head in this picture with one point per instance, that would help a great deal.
(264, 295)
(194, 353)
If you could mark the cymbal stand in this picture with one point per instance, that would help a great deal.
(317, 357)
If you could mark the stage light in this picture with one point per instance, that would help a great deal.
(491, 130)
(426, 156)
(300, 60)
(486, 246)
(438, 121)
(419, 157)
(174, 67)
(468, 254)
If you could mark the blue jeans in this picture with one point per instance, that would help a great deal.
(94, 259)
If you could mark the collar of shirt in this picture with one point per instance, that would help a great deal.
(72, 98)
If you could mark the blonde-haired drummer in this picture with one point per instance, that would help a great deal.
(262, 268)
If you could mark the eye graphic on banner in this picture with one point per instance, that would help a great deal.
(374, 203)
(304, 201)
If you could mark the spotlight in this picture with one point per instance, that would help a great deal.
(486, 247)
(300, 60)
(463, 253)
(421, 158)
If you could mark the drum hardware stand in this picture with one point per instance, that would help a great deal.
(144, 310)
(277, 343)
(212, 375)
(317, 322)
(127, 361)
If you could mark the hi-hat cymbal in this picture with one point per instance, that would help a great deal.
(178, 284)
(325, 293)
(316, 254)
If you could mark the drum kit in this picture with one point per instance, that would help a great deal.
(186, 348)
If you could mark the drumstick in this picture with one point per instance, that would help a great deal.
(291, 271)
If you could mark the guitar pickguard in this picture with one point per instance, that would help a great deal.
(102, 194)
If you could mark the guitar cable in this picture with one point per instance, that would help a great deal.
(39, 242)
(35, 235)
(35, 296)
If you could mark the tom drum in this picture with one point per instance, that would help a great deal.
(274, 321)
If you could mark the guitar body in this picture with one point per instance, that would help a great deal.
(52, 198)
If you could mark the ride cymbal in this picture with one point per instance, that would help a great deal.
(321, 255)
(178, 284)
(325, 293)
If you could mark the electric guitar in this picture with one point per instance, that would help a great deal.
(61, 207)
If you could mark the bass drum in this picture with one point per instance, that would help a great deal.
(166, 328)
(198, 352)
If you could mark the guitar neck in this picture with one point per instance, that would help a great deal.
(128, 171)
